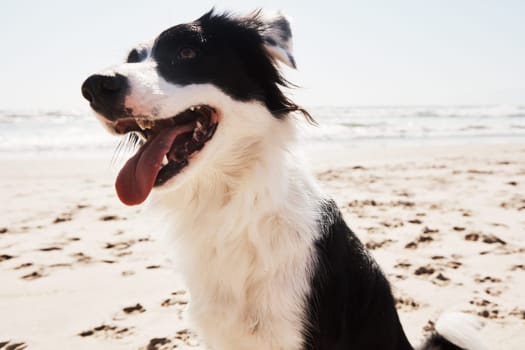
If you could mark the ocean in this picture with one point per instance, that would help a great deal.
(62, 133)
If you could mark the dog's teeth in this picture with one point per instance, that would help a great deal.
(145, 123)
(192, 109)
(199, 125)
(165, 160)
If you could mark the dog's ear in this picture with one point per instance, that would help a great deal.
(277, 36)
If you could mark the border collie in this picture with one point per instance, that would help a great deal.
(268, 259)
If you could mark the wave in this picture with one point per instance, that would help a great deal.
(66, 131)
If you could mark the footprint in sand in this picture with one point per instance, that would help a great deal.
(488, 309)
(59, 244)
(34, 275)
(518, 313)
(187, 337)
(59, 265)
(424, 270)
(177, 298)
(49, 249)
(182, 337)
(442, 265)
(407, 304)
(489, 239)
(41, 270)
(5, 257)
(487, 279)
(428, 271)
(425, 237)
(8, 345)
(121, 245)
(441, 279)
(178, 301)
(377, 244)
(474, 236)
(82, 258)
(135, 309)
(23, 266)
(403, 193)
(393, 223)
(121, 248)
(128, 310)
(480, 172)
(403, 264)
(107, 331)
(63, 218)
(111, 218)
(516, 202)
(465, 212)
(411, 245)
(493, 291)
(158, 344)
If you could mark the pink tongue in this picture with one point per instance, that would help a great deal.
(136, 179)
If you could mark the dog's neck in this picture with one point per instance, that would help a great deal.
(262, 180)
(258, 172)
(241, 234)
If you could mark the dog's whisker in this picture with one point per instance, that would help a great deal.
(116, 152)
(127, 145)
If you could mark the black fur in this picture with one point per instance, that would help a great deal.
(230, 54)
(350, 305)
(137, 55)
(437, 342)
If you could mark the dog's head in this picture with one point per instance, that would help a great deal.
(209, 89)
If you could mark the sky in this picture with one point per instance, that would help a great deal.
(365, 53)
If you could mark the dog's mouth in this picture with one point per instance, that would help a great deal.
(168, 146)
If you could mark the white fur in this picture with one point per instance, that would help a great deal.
(282, 50)
(243, 216)
(461, 329)
(244, 226)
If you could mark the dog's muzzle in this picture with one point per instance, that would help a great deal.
(106, 93)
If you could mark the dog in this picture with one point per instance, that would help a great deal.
(269, 262)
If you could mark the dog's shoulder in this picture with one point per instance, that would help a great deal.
(350, 297)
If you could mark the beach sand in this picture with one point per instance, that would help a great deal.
(79, 270)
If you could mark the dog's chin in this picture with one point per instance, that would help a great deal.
(168, 149)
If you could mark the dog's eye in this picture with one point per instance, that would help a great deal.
(187, 53)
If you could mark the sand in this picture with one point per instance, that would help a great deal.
(78, 270)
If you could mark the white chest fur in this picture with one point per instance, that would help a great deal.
(246, 252)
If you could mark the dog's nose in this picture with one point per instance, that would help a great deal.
(105, 93)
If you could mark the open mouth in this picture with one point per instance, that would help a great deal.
(167, 147)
